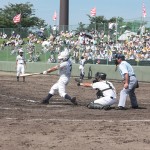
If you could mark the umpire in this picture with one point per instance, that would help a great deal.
(130, 82)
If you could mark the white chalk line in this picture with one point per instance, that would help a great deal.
(78, 120)
(64, 120)
(28, 100)
(33, 101)
(7, 108)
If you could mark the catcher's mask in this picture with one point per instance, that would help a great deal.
(100, 76)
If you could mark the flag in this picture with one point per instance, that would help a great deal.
(93, 12)
(144, 10)
(55, 16)
(17, 18)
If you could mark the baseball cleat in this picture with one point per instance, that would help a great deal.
(120, 108)
(73, 100)
(107, 107)
(78, 80)
(135, 107)
(46, 102)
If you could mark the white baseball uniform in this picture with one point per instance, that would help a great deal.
(65, 69)
(108, 93)
(81, 68)
(20, 61)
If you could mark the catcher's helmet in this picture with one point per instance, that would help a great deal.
(100, 75)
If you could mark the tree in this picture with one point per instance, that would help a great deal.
(28, 18)
(81, 27)
(97, 19)
(96, 22)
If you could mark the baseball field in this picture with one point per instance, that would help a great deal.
(25, 124)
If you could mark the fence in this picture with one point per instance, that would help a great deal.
(36, 53)
(117, 27)
(142, 73)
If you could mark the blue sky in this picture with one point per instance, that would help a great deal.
(78, 9)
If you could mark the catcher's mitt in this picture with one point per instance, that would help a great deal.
(78, 81)
(95, 81)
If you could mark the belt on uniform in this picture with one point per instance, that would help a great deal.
(132, 75)
(20, 63)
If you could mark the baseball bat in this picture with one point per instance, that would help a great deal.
(30, 74)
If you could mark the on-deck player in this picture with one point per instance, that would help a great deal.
(20, 64)
(81, 67)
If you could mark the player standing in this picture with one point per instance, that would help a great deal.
(65, 68)
(20, 64)
(130, 83)
(81, 67)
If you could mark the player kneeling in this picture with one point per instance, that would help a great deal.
(106, 95)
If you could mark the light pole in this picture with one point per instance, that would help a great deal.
(64, 15)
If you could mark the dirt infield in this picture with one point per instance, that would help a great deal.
(25, 124)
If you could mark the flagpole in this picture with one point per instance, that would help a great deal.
(116, 29)
(143, 16)
(142, 12)
(93, 14)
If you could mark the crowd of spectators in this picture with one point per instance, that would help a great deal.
(94, 45)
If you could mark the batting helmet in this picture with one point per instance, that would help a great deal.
(100, 75)
(64, 55)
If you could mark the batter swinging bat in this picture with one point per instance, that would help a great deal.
(30, 74)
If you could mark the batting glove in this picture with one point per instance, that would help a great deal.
(44, 72)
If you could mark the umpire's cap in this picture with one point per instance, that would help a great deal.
(82, 57)
(118, 56)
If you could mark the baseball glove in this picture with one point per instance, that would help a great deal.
(78, 81)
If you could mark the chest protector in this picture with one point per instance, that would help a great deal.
(100, 92)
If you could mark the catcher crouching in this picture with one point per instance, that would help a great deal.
(106, 92)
